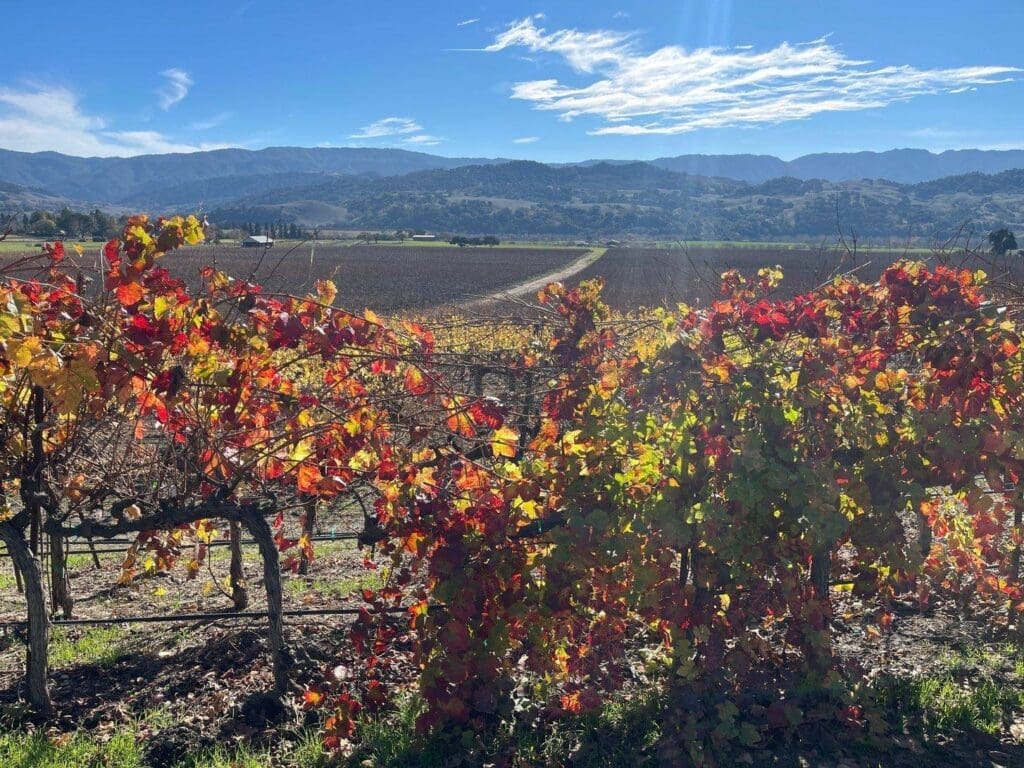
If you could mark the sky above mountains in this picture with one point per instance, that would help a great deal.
(565, 81)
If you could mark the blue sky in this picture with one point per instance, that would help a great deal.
(549, 81)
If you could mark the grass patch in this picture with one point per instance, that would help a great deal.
(945, 705)
(125, 749)
(75, 751)
(7, 580)
(83, 561)
(101, 645)
(31, 245)
(617, 735)
(972, 694)
(337, 587)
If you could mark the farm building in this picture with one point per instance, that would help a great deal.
(424, 238)
(257, 241)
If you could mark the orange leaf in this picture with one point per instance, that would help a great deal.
(412, 543)
(309, 478)
(415, 382)
(129, 294)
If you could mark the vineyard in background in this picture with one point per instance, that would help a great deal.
(552, 507)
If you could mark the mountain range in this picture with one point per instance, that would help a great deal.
(903, 192)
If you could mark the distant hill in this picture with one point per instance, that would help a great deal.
(16, 197)
(131, 180)
(209, 177)
(522, 198)
(902, 193)
(204, 193)
(905, 166)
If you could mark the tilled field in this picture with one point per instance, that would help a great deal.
(636, 277)
(383, 278)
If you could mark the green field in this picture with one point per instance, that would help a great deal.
(32, 244)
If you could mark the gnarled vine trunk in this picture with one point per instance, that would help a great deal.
(38, 622)
(60, 585)
(819, 652)
(239, 593)
(260, 531)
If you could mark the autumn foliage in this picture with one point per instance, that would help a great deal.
(691, 486)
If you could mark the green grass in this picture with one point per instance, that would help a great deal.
(615, 736)
(83, 561)
(97, 645)
(622, 733)
(323, 548)
(126, 750)
(946, 705)
(336, 587)
(36, 750)
(31, 245)
(969, 695)
(7, 580)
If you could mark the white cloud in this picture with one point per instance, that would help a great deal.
(936, 133)
(526, 140)
(175, 88)
(41, 118)
(672, 90)
(584, 51)
(424, 140)
(389, 126)
(467, 22)
(212, 122)
(404, 128)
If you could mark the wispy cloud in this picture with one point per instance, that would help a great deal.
(213, 122)
(936, 133)
(672, 90)
(526, 140)
(404, 129)
(466, 22)
(175, 87)
(423, 139)
(45, 118)
(389, 126)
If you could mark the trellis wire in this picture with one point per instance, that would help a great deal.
(104, 549)
(222, 616)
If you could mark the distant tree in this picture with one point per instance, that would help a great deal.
(43, 228)
(1002, 241)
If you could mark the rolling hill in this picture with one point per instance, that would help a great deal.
(878, 195)
(180, 178)
(613, 199)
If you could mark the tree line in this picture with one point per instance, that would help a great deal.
(72, 224)
(462, 241)
(279, 229)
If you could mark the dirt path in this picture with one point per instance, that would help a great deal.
(535, 284)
